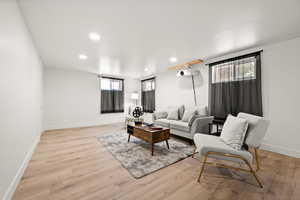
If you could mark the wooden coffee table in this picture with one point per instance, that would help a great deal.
(149, 134)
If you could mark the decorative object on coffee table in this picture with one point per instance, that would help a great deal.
(137, 113)
(131, 118)
(149, 134)
(135, 157)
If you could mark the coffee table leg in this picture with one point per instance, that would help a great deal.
(152, 149)
(128, 137)
(167, 144)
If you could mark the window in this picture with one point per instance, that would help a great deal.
(111, 84)
(148, 85)
(242, 69)
(112, 95)
(235, 86)
(148, 95)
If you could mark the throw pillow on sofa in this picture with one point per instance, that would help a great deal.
(188, 114)
(234, 131)
(192, 119)
(181, 112)
(173, 115)
(202, 111)
(161, 115)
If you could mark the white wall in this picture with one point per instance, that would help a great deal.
(72, 99)
(281, 96)
(21, 97)
(175, 91)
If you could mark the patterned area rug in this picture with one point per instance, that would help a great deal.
(136, 157)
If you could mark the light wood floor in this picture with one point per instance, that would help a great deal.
(71, 164)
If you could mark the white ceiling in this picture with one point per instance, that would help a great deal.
(146, 33)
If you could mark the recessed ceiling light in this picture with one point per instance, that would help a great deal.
(94, 36)
(173, 59)
(82, 56)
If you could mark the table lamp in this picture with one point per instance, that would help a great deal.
(135, 96)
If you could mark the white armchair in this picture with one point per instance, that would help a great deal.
(210, 146)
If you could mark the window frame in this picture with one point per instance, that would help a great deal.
(149, 79)
(234, 64)
(111, 78)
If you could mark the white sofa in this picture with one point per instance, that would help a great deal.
(181, 128)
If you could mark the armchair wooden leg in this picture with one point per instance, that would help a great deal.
(251, 170)
(202, 168)
(254, 174)
(256, 159)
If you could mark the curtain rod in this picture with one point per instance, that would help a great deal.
(148, 79)
(99, 76)
(234, 57)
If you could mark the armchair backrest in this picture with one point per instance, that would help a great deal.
(257, 128)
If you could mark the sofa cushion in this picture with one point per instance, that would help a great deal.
(179, 125)
(173, 114)
(162, 122)
(206, 143)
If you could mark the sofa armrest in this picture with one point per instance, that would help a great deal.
(200, 125)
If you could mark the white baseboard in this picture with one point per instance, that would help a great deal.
(13, 186)
(103, 120)
(281, 150)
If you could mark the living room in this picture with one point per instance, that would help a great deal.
(136, 99)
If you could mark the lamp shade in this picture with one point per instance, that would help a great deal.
(134, 96)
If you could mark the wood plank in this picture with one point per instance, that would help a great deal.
(185, 65)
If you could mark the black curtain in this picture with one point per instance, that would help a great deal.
(232, 89)
(112, 101)
(148, 95)
(148, 101)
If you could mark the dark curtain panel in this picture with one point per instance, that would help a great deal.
(112, 100)
(235, 86)
(148, 95)
(148, 101)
